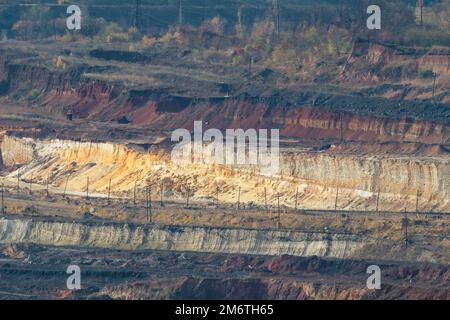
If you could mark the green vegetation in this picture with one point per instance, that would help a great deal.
(311, 36)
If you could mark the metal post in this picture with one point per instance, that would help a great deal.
(187, 199)
(276, 9)
(134, 193)
(417, 201)
(138, 15)
(434, 86)
(150, 203)
(336, 200)
(109, 191)
(180, 14)
(217, 196)
(65, 186)
(239, 199)
(265, 198)
(405, 229)
(3, 199)
(87, 188)
(162, 194)
(279, 211)
(378, 199)
(296, 199)
(146, 203)
(48, 194)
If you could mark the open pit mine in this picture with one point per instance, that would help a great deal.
(88, 178)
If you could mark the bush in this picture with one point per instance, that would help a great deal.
(426, 74)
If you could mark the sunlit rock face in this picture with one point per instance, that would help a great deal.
(316, 176)
(184, 238)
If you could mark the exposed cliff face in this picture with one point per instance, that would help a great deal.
(316, 175)
(262, 289)
(373, 62)
(308, 115)
(184, 238)
(293, 278)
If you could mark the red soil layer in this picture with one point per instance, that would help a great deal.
(97, 100)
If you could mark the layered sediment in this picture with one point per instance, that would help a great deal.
(178, 238)
(316, 176)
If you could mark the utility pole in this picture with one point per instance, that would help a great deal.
(276, 16)
(417, 201)
(146, 203)
(134, 193)
(336, 200)
(279, 211)
(180, 14)
(31, 181)
(87, 188)
(405, 229)
(296, 199)
(150, 203)
(109, 191)
(217, 196)
(378, 199)
(434, 86)
(137, 21)
(239, 199)
(65, 186)
(187, 198)
(18, 181)
(240, 27)
(420, 5)
(48, 194)
(265, 198)
(162, 195)
(3, 199)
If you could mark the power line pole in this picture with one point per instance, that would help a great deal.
(276, 16)
(378, 199)
(109, 191)
(65, 186)
(217, 196)
(137, 21)
(279, 211)
(417, 201)
(240, 27)
(180, 14)
(336, 200)
(420, 5)
(147, 207)
(296, 199)
(265, 198)
(3, 199)
(87, 188)
(434, 86)
(162, 194)
(134, 193)
(239, 199)
(48, 194)
(405, 229)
